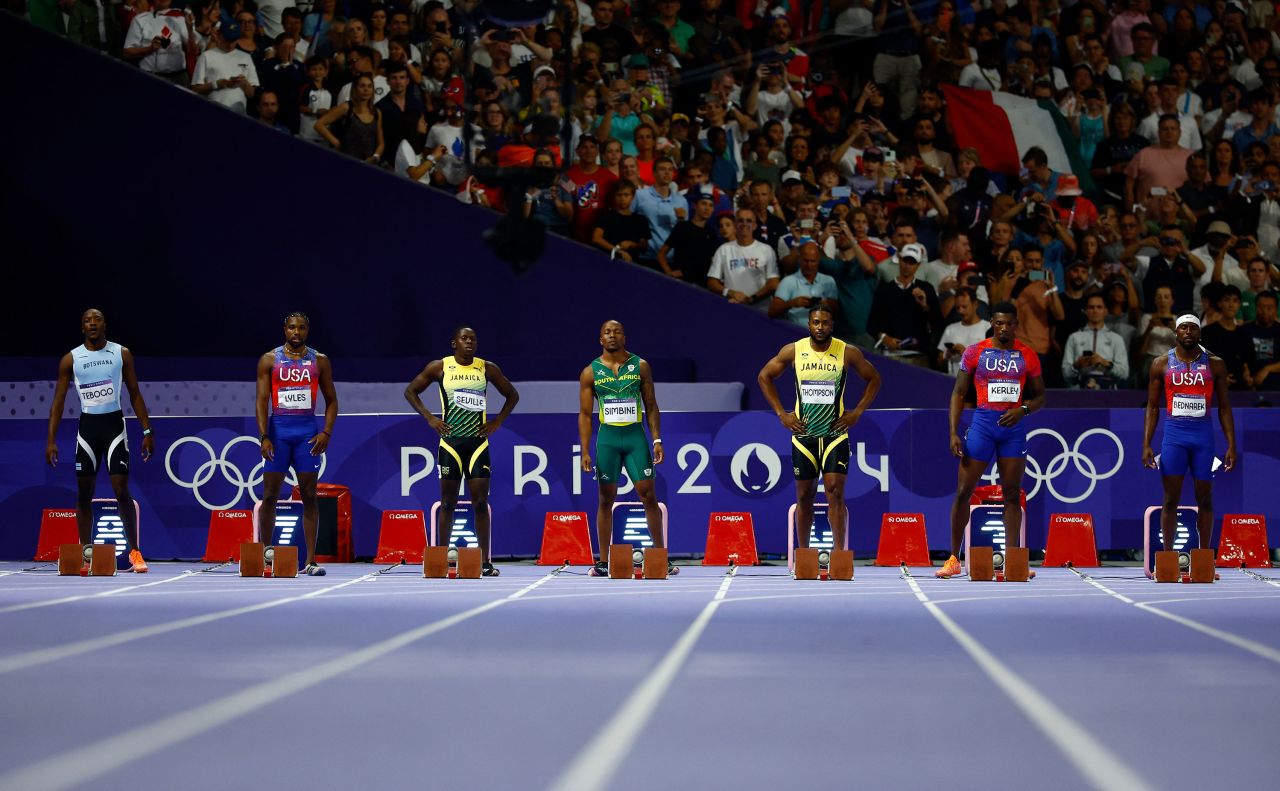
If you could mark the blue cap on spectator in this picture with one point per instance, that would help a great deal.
(638, 61)
(697, 195)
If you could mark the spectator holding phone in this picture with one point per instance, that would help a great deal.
(160, 41)
(959, 335)
(1095, 358)
(805, 228)
(905, 317)
(1162, 165)
(804, 289)
(225, 74)
(1172, 266)
(622, 233)
(1156, 332)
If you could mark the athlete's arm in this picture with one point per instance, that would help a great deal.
(261, 405)
(964, 380)
(1225, 417)
(130, 377)
(1033, 402)
(1155, 399)
(586, 405)
(855, 359)
(772, 370)
(503, 385)
(413, 392)
(55, 409)
(651, 410)
(321, 440)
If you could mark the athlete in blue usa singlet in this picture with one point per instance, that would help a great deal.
(1183, 385)
(100, 369)
(290, 377)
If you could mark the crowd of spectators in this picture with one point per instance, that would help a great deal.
(789, 153)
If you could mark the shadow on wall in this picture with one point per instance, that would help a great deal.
(196, 230)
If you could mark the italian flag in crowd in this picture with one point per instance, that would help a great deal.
(1003, 126)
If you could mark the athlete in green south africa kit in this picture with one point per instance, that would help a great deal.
(622, 384)
(820, 424)
(464, 428)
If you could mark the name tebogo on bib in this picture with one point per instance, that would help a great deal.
(1188, 406)
(470, 400)
(818, 392)
(97, 393)
(293, 398)
(620, 411)
(999, 392)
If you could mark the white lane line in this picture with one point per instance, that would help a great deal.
(44, 656)
(100, 594)
(1252, 646)
(597, 762)
(76, 767)
(1101, 767)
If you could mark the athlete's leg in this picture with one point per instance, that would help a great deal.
(1011, 471)
(805, 491)
(444, 515)
(310, 513)
(478, 488)
(1169, 511)
(967, 479)
(267, 512)
(84, 506)
(648, 495)
(837, 511)
(604, 518)
(128, 514)
(1204, 518)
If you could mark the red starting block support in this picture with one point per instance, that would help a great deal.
(731, 537)
(1243, 542)
(227, 531)
(57, 527)
(402, 537)
(566, 536)
(1071, 541)
(903, 540)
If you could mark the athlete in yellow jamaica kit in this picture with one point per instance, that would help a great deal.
(622, 384)
(464, 431)
(820, 423)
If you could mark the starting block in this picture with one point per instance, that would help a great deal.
(401, 537)
(1156, 564)
(435, 562)
(903, 541)
(817, 541)
(1071, 541)
(1202, 567)
(470, 563)
(284, 561)
(981, 563)
(655, 563)
(252, 559)
(70, 559)
(566, 538)
(805, 563)
(102, 560)
(622, 562)
(1243, 542)
(840, 565)
(731, 539)
(986, 511)
(1016, 565)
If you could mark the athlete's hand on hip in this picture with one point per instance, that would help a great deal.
(586, 462)
(846, 421)
(148, 447)
(268, 450)
(658, 455)
(1149, 459)
(438, 425)
(491, 426)
(1228, 459)
(957, 446)
(319, 443)
(792, 422)
(51, 454)
(1010, 418)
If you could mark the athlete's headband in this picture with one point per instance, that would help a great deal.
(1186, 318)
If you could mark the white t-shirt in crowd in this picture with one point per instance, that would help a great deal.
(744, 269)
(774, 107)
(856, 21)
(269, 12)
(168, 25)
(320, 100)
(407, 158)
(214, 65)
(451, 164)
(380, 89)
(979, 79)
(964, 334)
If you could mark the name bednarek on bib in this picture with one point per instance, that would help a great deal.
(1188, 406)
(619, 411)
(470, 400)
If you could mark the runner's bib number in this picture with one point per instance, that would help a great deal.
(818, 392)
(1004, 392)
(470, 400)
(1188, 406)
(293, 398)
(620, 411)
(97, 394)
